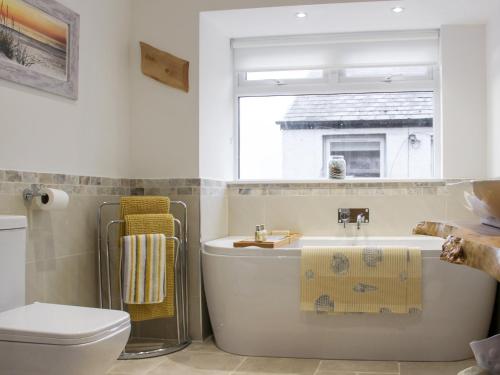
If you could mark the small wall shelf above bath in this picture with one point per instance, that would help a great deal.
(473, 245)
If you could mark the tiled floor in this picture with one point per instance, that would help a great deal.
(206, 359)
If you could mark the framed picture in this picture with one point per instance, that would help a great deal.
(39, 45)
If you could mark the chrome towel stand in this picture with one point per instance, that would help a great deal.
(138, 348)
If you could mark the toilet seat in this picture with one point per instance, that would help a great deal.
(42, 323)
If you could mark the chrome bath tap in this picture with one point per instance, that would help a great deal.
(356, 216)
(360, 219)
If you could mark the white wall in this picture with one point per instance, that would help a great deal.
(47, 133)
(303, 152)
(463, 87)
(216, 123)
(493, 63)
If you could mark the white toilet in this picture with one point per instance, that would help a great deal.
(50, 339)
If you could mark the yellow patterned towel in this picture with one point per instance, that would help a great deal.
(133, 207)
(144, 262)
(155, 223)
(361, 280)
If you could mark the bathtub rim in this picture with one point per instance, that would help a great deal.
(224, 246)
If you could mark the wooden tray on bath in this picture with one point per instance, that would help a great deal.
(270, 244)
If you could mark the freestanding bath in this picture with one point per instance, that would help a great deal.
(253, 299)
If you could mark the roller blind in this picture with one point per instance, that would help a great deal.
(336, 50)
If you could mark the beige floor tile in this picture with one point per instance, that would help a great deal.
(207, 346)
(360, 366)
(206, 361)
(278, 366)
(136, 367)
(173, 368)
(474, 370)
(434, 368)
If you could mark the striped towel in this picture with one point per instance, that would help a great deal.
(144, 268)
(361, 280)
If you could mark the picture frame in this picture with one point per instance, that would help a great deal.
(39, 45)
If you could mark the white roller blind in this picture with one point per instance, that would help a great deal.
(337, 50)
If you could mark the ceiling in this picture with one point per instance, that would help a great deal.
(351, 17)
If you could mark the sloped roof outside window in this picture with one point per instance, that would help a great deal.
(384, 108)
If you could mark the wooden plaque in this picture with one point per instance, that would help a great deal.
(164, 67)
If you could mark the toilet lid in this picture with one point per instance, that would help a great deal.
(43, 323)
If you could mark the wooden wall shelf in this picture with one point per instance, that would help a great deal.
(473, 245)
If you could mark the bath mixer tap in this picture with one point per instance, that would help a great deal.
(356, 216)
(360, 219)
(344, 218)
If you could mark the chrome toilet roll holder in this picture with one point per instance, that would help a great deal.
(34, 191)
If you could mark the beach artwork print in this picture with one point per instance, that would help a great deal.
(37, 45)
(33, 39)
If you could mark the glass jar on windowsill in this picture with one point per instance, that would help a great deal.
(337, 167)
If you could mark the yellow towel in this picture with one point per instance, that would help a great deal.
(144, 262)
(361, 280)
(134, 205)
(137, 205)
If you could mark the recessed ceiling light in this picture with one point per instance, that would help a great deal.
(301, 15)
(398, 9)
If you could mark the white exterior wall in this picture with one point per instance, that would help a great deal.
(303, 152)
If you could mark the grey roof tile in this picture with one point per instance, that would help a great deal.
(371, 106)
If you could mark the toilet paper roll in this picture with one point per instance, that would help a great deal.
(52, 199)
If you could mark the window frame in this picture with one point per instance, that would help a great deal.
(380, 138)
(428, 76)
(331, 83)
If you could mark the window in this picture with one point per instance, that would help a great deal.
(381, 135)
(370, 98)
(364, 154)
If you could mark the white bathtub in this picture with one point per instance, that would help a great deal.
(253, 300)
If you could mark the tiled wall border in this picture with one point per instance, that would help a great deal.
(191, 186)
(341, 188)
(13, 182)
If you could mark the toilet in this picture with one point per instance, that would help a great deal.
(45, 338)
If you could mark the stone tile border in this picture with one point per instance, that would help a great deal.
(340, 188)
(341, 184)
(176, 186)
(13, 182)
(60, 179)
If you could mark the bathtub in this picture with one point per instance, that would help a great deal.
(253, 301)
